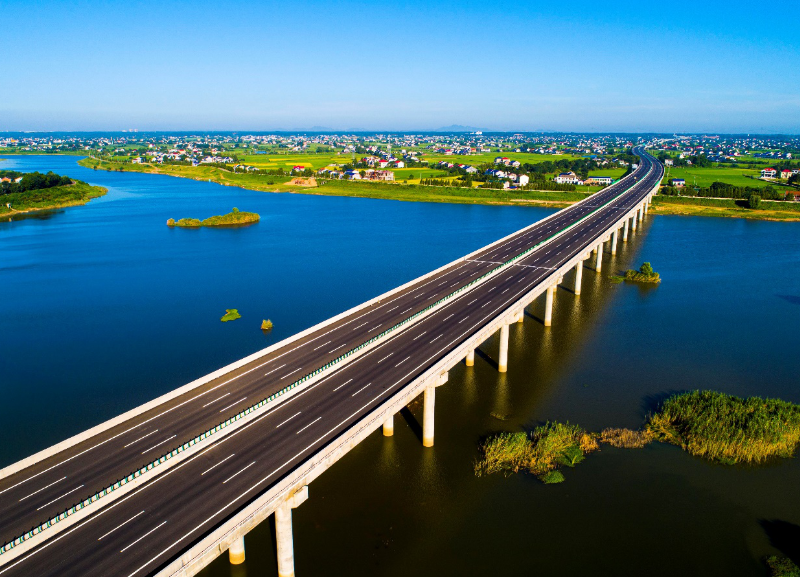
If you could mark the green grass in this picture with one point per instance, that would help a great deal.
(230, 315)
(76, 194)
(782, 567)
(728, 429)
(540, 452)
(233, 218)
(645, 274)
(726, 207)
(705, 177)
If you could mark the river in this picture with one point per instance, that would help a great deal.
(105, 307)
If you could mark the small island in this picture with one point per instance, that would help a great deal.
(233, 218)
(230, 315)
(645, 274)
(26, 192)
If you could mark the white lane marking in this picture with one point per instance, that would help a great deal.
(215, 465)
(491, 289)
(337, 348)
(472, 301)
(308, 425)
(462, 320)
(122, 525)
(486, 303)
(293, 372)
(504, 292)
(322, 345)
(450, 317)
(419, 335)
(361, 325)
(275, 369)
(379, 326)
(57, 498)
(239, 471)
(361, 389)
(232, 404)
(401, 362)
(454, 284)
(289, 419)
(384, 358)
(142, 537)
(391, 309)
(405, 311)
(43, 488)
(343, 384)
(212, 402)
(159, 444)
(440, 336)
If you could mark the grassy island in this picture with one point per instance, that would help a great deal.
(728, 429)
(645, 274)
(233, 218)
(707, 424)
(29, 192)
(230, 315)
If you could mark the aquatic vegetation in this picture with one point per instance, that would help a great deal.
(233, 218)
(266, 325)
(728, 429)
(645, 274)
(782, 567)
(230, 315)
(540, 452)
(625, 438)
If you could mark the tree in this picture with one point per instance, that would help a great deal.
(647, 269)
(754, 201)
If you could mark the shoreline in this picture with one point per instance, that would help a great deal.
(413, 193)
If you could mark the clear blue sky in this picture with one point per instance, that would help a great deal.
(579, 66)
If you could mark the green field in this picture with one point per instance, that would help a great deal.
(705, 177)
(75, 194)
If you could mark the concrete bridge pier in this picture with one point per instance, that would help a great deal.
(641, 213)
(429, 399)
(388, 427)
(578, 277)
(470, 360)
(502, 363)
(599, 263)
(625, 230)
(633, 221)
(614, 237)
(548, 305)
(236, 551)
(646, 204)
(521, 316)
(283, 531)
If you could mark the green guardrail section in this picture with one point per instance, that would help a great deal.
(201, 437)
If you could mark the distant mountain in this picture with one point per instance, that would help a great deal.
(457, 128)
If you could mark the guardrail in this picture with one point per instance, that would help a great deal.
(224, 424)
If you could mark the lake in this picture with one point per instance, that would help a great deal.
(105, 307)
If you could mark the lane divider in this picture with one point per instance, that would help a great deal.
(226, 423)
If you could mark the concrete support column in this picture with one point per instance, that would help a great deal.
(641, 213)
(646, 204)
(599, 264)
(625, 230)
(548, 306)
(521, 317)
(283, 533)
(388, 427)
(633, 221)
(502, 364)
(470, 358)
(236, 551)
(578, 277)
(427, 416)
(614, 236)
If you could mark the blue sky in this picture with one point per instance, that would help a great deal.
(409, 65)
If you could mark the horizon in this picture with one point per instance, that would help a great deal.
(708, 68)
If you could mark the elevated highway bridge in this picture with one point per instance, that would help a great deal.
(167, 487)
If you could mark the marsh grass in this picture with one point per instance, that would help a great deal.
(782, 567)
(728, 429)
(540, 452)
(230, 315)
(625, 438)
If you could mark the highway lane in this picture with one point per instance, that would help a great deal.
(49, 487)
(217, 478)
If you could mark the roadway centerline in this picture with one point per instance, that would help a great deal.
(217, 464)
(159, 444)
(237, 472)
(121, 525)
(308, 425)
(142, 537)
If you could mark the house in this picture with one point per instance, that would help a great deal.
(380, 175)
(786, 173)
(399, 164)
(298, 168)
(793, 195)
(669, 162)
(470, 170)
(516, 163)
(353, 175)
(768, 173)
(604, 180)
(524, 179)
(677, 182)
(567, 178)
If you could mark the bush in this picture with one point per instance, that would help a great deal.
(754, 201)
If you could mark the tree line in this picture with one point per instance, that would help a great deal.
(30, 181)
(725, 190)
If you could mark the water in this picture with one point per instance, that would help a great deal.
(105, 307)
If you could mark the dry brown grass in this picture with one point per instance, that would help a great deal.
(625, 438)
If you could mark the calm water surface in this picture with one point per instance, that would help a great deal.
(105, 307)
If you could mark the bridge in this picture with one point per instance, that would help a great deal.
(167, 487)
